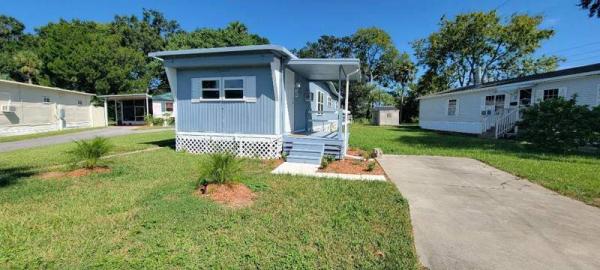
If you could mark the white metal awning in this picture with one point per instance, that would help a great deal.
(125, 96)
(326, 69)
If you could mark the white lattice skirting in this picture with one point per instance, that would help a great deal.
(244, 146)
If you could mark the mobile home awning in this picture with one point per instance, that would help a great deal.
(326, 69)
(125, 96)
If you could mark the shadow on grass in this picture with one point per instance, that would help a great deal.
(453, 141)
(164, 143)
(9, 176)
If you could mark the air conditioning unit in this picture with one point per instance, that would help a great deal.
(8, 108)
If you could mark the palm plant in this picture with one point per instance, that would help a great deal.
(222, 167)
(90, 151)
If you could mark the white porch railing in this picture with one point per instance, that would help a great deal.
(506, 121)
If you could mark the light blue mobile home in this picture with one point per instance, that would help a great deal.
(259, 101)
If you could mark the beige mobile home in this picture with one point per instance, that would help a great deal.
(27, 108)
(494, 107)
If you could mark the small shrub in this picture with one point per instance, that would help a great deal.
(284, 156)
(149, 120)
(171, 121)
(221, 168)
(371, 166)
(326, 160)
(557, 124)
(158, 121)
(90, 151)
(365, 155)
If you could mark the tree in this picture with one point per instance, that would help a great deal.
(372, 46)
(592, 5)
(27, 65)
(327, 47)
(11, 34)
(89, 57)
(400, 73)
(478, 47)
(235, 34)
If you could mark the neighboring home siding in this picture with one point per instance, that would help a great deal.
(32, 114)
(433, 112)
(586, 89)
(226, 116)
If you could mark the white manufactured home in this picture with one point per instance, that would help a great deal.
(494, 107)
(27, 108)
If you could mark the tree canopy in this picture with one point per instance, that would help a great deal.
(479, 46)
(593, 6)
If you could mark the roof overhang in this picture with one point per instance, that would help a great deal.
(326, 69)
(126, 96)
(279, 50)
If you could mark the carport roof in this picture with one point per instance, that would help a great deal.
(126, 96)
(326, 69)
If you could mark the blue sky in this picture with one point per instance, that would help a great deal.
(293, 23)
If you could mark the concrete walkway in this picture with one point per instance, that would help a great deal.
(468, 215)
(312, 170)
(65, 138)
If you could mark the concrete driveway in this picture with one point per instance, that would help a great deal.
(87, 134)
(468, 215)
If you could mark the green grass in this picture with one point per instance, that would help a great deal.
(43, 134)
(576, 176)
(144, 214)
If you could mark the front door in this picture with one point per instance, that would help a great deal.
(494, 104)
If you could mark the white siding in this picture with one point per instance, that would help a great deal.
(32, 114)
(433, 111)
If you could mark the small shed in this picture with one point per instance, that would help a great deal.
(385, 116)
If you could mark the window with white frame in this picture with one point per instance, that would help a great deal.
(169, 106)
(46, 99)
(550, 93)
(329, 102)
(452, 107)
(209, 88)
(79, 102)
(233, 88)
(320, 99)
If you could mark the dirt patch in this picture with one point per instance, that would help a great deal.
(75, 173)
(596, 202)
(355, 152)
(232, 195)
(352, 166)
(85, 171)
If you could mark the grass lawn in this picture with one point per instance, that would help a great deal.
(576, 176)
(144, 214)
(43, 134)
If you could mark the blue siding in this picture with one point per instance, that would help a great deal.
(226, 116)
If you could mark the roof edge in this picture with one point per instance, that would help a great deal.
(269, 47)
(47, 87)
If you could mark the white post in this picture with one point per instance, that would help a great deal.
(105, 112)
(116, 114)
(346, 131)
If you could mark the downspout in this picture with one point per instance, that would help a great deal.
(346, 131)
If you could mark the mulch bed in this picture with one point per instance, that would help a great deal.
(74, 173)
(231, 195)
(352, 166)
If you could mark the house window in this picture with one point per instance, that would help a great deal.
(210, 89)
(233, 88)
(550, 93)
(389, 115)
(329, 102)
(499, 106)
(490, 101)
(452, 105)
(320, 99)
(169, 106)
(79, 102)
(46, 99)
(525, 97)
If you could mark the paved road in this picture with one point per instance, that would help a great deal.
(105, 132)
(467, 215)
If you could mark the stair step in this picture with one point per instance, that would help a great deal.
(304, 159)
